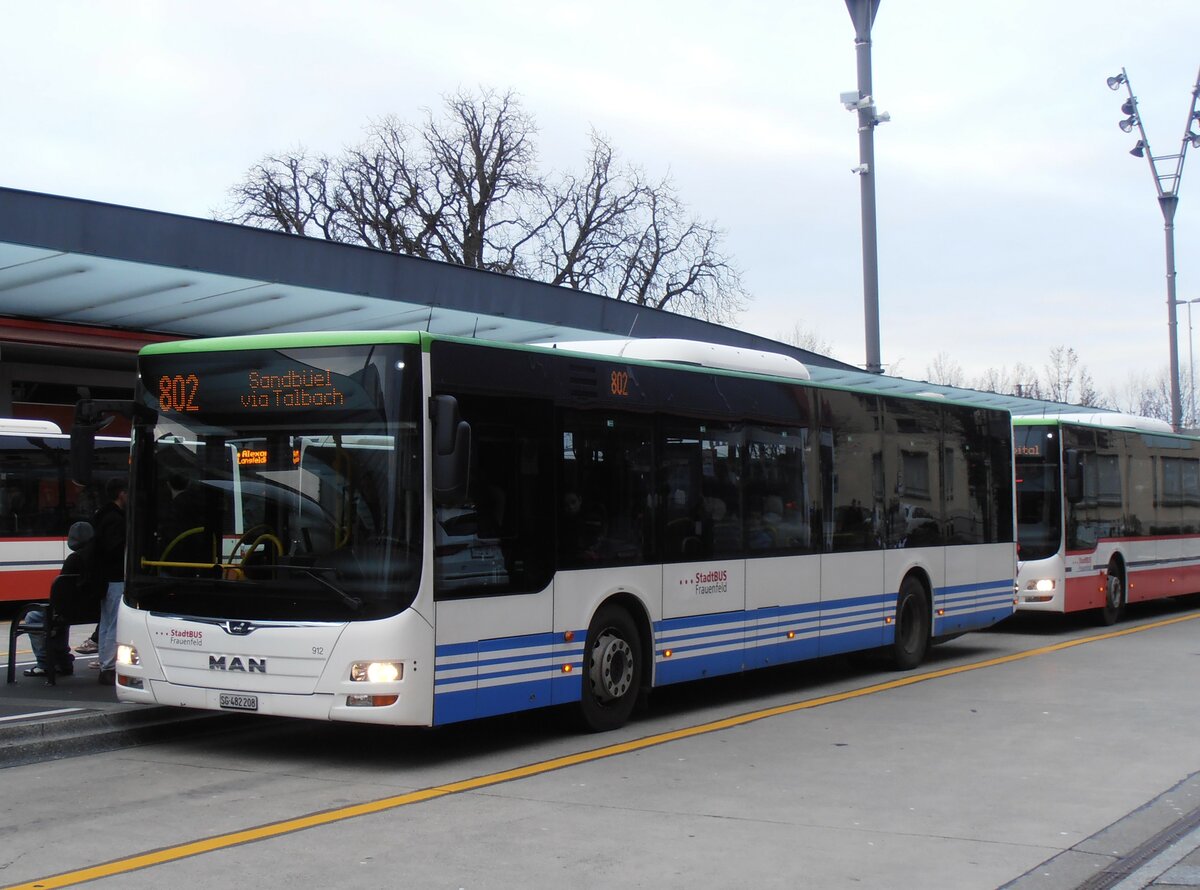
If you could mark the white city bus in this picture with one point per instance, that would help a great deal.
(403, 528)
(1108, 513)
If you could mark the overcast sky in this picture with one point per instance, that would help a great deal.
(1011, 217)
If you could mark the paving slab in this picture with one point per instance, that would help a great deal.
(76, 714)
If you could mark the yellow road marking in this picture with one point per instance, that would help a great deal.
(313, 820)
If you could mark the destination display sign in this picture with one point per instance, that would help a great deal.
(294, 388)
(1034, 442)
(187, 385)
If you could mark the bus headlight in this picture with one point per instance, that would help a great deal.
(376, 671)
(127, 654)
(1041, 585)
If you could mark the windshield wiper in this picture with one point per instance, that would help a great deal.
(351, 602)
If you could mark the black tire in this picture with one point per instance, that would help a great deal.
(912, 626)
(1113, 609)
(612, 670)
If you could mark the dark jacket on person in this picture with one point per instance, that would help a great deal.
(81, 561)
(110, 542)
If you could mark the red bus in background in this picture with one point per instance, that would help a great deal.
(1108, 513)
(38, 501)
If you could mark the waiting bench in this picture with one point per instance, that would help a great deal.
(62, 610)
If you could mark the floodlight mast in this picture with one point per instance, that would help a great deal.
(862, 13)
(1166, 182)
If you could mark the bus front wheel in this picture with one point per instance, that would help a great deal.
(612, 670)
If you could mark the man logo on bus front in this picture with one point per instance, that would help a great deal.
(235, 664)
(237, 628)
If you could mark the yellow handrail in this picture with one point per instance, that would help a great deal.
(167, 564)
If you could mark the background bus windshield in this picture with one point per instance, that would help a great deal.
(278, 485)
(1039, 493)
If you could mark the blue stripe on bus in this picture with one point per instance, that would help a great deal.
(542, 668)
(978, 585)
(466, 704)
(526, 642)
(530, 670)
(503, 667)
(967, 607)
(677, 670)
(708, 620)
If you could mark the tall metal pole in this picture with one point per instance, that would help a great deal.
(862, 13)
(1168, 203)
(1166, 183)
(1191, 365)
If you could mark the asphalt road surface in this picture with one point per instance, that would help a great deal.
(1041, 754)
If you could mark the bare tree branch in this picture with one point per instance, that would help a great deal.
(675, 262)
(945, 371)
(464, 188)
(588, 219)
(1066, 380)
(809, 339)
(286, 192)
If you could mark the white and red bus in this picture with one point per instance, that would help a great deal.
(1108, 513)
(38, 502)
(398, 527)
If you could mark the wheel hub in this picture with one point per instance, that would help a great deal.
(612, 667)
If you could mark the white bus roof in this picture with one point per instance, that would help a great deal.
(692, 352)
(1103, 418)
(20, 427)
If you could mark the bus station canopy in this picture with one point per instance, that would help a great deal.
(105, 278)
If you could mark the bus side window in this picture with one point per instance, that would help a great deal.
(604, 476)
(496, 539)
(14, 518)
(852, 472)
(776, 490)
(1073, 476)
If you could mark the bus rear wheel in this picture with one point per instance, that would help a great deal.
(612, 670)
(912, 625)
(1114, 598)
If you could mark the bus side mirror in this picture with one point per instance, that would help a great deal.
(91, 416)
(83, 443)
(1073, 477)
(451, 452)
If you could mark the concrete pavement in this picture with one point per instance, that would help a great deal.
(77, 715)
(1156, 846)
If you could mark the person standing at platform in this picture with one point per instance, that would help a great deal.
(109, 523)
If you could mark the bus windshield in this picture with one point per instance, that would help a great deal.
(1039, 491)
(277, 486)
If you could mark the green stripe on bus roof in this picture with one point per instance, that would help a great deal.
(353, 338)
(1067, 420)
(283, 341)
